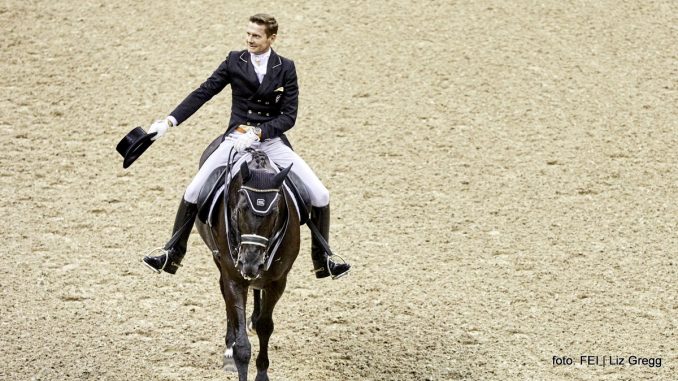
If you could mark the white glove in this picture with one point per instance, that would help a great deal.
(245, 140)
(160, 127)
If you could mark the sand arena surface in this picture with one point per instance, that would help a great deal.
(503, 179)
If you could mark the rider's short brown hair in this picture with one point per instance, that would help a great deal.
(268, 21)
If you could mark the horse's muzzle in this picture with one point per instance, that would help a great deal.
(250, 262)
(251, 255)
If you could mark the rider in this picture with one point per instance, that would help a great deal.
(264, 105)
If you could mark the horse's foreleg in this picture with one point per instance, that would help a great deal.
(236, 299)
(264, 326)
(251, 327)
(229, 363)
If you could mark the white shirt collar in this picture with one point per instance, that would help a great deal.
(263, 57)
(260, 67)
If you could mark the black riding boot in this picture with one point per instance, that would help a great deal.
(320, 217)
(170, 260)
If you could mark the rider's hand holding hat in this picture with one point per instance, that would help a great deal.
(161, 126)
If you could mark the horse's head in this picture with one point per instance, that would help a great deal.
(255, 216)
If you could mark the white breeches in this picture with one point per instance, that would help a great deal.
(276, 151)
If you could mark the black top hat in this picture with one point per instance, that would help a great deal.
(133, 145)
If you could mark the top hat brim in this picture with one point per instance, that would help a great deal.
(133, 150)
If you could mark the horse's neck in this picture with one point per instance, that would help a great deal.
(230, 204)
(282, 211)
(232, 190)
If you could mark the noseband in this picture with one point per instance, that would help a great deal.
(253, 239)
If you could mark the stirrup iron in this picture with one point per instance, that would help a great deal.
(330, 271)
(157, 249)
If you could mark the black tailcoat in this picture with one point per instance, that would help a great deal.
(271, 105)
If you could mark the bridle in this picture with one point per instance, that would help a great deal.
(259, 208)
(262, 193)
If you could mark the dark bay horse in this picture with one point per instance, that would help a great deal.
(241, 235)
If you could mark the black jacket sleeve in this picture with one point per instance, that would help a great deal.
(211, 87)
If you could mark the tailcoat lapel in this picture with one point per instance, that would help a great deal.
(272, 70)
(248, 69)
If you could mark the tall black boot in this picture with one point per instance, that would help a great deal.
(170, 260)
(323, 266)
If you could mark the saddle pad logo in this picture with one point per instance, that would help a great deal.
(261, 202)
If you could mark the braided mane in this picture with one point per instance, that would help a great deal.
(260, 159)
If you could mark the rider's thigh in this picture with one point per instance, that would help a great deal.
(218, 158)
(284, 156)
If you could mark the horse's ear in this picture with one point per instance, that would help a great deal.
(245, 172)
(280, 177)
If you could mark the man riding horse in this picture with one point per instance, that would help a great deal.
(264, 106)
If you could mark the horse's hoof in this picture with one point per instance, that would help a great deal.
(250, 328)
(229, 362)
(230, 368)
